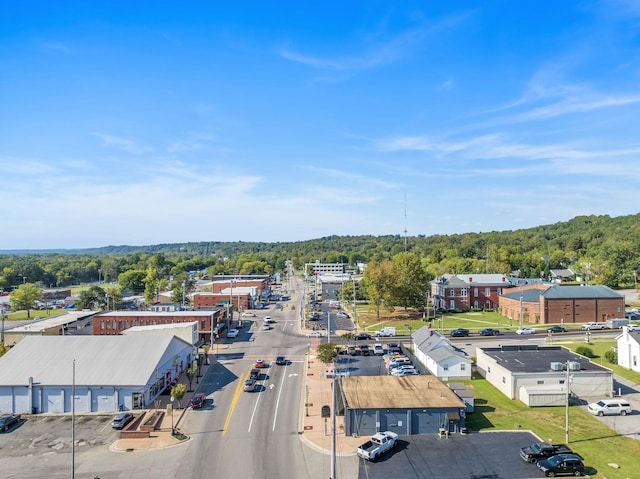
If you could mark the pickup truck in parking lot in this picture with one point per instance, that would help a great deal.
(543, 450)
(378, 444)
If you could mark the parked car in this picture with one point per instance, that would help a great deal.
(351, 350)
(268, 319)
(281, 361)
(342, 314)
(633, 316)
(634, 327)
(248, 315)
(314, 334)
(260, 363)
(542, 450)
(404, 372)
(556, 329)
(378, 350)
(460, 332)
(610, 407)
(593, 325)
(251, 385)
(8, 420)
(569, 464)
(362, 336)
(266, 327)
(364, 350)
(488, 332)
(233, 333)
(121, 420)
(198, 400)
(526, 331)
(378, 444)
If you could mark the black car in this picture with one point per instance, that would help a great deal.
(459, 333)
(556, 329)
(121, 420)
(281, 361)
(562, 464)
(364, 350)
(254, 374)
(8, 420)
(488, 332)
(362, 336)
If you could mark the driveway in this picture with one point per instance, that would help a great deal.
(628, 425)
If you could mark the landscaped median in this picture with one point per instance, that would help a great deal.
(599, 445)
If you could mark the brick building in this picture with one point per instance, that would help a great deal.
(114, 322)
(467, 291)
(242, 300)
(219, 284)
(555, 304)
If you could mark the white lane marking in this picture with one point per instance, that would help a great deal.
(255, 408)
(275, 416)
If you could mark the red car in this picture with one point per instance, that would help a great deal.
(260, 363)
(197, 401)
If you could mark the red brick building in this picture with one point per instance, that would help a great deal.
(114, 322)
(241, 302)
(261, 283)
(556, 304)
(466, 291)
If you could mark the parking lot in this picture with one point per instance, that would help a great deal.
(46, 435)
(492, 455)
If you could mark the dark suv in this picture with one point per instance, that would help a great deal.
(459, 333)
(562, 464)
(8, 420)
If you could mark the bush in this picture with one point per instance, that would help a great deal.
(585, 351)
(611, 356)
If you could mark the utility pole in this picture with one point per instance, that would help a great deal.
(333, 423)
(566, 413)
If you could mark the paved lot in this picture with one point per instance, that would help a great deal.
(45, 435)
(475, 456)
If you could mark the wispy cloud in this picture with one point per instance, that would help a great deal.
(356, 177)
(384, 52)
(122, 143)
(56, 47)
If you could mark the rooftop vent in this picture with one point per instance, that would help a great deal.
(557, 366)
(574, 366)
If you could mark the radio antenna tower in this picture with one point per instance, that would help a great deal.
(405, 222)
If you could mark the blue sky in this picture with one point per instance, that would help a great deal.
(154, 122)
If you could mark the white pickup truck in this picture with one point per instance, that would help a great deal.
(378, 444)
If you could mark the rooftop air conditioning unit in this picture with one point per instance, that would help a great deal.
(574, 366)
(557, 366)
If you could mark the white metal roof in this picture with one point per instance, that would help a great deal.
(161, 326)
(56, 321)
(100, 360)
(156, 314)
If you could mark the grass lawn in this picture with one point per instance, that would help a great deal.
(35, 313)
(590, 438)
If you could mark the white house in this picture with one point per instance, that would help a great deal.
(439, 356)
(108, 373)
(628, 344)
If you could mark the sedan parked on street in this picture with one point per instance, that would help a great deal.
(314, 334)
(488, 332)
(556, 329)
(459, 333)
(526, 331)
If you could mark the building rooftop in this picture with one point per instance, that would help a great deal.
(99, 360)
(156, 314)
(41, 325)
(581, 292)
(537, 359)
(378, 392)
(154, 327)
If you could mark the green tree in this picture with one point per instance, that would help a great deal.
(378, 278)
(348, 337)
(112, 298)
(92, 298)
(177, 392)
(191, 373)
(24, 297)
(327, 352)
(410, 281)
(132, 280)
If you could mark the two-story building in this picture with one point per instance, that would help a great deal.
(466, 291)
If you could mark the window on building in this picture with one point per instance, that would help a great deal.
(126, 324)
(487, 291)
(489, 369)
(463, 292)
(102, 324)
(504, 380)
(452, 304)
(445, 367)
(540, 381)
(635, 360)
(499, 291)
(476, 305)
(452, 291)
(120, 324)
(113, 326)
(463, 367)
(475, 292)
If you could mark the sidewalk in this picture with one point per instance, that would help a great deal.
(162, 437)
(315, 430)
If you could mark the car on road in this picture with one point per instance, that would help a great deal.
(198, 400)
(593, 325)
(459, 333)
(556, 329)
(266, 327)
(314, 334)
(562, 464)
(251, 385)
(362, 336)
(525, 331)
(632, 315)
(254, 374)
(260, 363)
(268, 319)
(233, 333)
(281, 361)
(248, 315)
(634, 327)
(488, 332)
(342, 314)
(121, 420)
(610, 407)
(8, 420)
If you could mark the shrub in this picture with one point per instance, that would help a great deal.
(585, 351)
(611, 356)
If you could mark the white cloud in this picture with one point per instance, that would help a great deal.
(352, 177)
(56, 47)
(122, 143)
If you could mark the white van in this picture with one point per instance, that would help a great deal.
(610, 407)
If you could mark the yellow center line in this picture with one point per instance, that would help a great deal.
(234, 401)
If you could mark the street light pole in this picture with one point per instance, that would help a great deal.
(566, 413)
